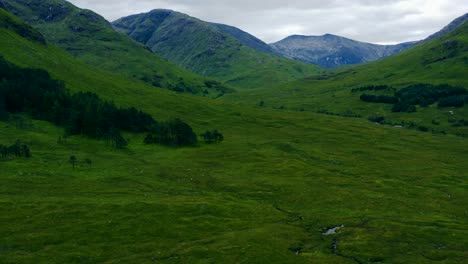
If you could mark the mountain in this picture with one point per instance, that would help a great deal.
(450, 27)
(331, 51)
(437, 62)
(207, 49)
(91, 38)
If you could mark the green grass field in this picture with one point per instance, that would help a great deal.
(267, 189)
(265, 195)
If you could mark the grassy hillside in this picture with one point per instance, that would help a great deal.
(440, 61)
(265, 195)
(205, 49)
(91, 38)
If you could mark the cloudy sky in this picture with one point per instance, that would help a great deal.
(376, 21)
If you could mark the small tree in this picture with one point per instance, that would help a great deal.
(218, 137)
(26, 151)
(3, 151)
(212, 137)
(73, 160)
(88, 161)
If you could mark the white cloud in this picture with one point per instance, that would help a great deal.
(377, 21)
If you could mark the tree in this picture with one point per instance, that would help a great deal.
(3, 151)
(26, 151)
(73, 160)
(212, 137)
(88, 161)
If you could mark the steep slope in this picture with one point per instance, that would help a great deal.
(91, 38)
(443, 60)
(449, 28)
(332, 51)
(245, 38)
(266, 194)
(206, 49)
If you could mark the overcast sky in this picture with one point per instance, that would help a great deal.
(375, 21)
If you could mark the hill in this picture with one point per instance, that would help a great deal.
(331, 51)
(92, 39)
(270, 193)
(440, 61)
(207, 49)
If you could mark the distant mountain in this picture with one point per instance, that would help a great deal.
(213, 50)
(449, 28)
(91, 38)
(332, 51)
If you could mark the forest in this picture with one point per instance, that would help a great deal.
(35, 93)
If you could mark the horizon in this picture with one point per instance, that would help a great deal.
(383, 23)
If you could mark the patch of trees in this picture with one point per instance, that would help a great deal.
(452, 101)
(372, 88)
(34, 92)
(385, 99)
(426, 94)
(406, 99)
(171, 133)
(18, 149)
(211, 137)
(403, 106)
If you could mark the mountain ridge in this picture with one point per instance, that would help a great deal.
(205, 48)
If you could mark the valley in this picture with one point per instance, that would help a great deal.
(302, 175)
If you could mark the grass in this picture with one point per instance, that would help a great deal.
(249, 199)
(272, 187)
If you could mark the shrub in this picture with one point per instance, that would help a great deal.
(377, 119)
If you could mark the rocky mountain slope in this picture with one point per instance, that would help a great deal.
(331, 51)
